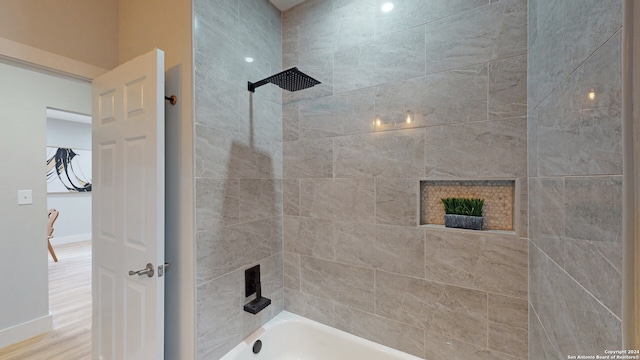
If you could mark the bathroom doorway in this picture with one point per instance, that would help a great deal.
(30, 93)
(69, 181)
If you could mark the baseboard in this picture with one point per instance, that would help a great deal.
(70, 239)
(26, 330)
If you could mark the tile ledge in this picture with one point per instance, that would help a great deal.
(442, 227)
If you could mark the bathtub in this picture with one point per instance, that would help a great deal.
(291, 337)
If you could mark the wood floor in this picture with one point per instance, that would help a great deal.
(70, 304)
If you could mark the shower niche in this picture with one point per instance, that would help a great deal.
(499, 195)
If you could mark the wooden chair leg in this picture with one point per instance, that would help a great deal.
(53, 253)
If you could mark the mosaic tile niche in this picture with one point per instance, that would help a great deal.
(498, 195)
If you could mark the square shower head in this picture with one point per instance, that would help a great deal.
(291, 79)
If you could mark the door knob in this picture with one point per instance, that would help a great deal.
(146, 271)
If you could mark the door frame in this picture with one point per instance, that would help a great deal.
(181, 281)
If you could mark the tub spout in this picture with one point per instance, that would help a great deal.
(253, 285)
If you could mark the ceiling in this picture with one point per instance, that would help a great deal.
(283, 5)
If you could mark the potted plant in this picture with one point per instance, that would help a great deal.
(464, 213)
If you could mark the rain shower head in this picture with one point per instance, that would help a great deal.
(292, 80)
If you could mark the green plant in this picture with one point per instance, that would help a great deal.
(463, 206)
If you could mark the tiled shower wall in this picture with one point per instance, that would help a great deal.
(238, 168)
(354, 255)
(575, 177)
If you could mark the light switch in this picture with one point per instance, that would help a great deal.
(25, 197)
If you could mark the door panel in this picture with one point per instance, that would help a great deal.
(128, 210)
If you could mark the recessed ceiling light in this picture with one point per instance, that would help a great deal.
(386, 7)
(248, 59)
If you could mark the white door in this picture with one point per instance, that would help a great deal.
(128, 210)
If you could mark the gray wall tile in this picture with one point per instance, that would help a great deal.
(354, 23)
(308, 159)
(592, 136)
(597, 266)
(258, 34)
(290, 50)
(398, 250)
(384, 331)
(504, 266)
(547, 53)
(397, 202)
(311, 237)
(291, 271)
(442, 347)
(408, 14)
(291, 197)
(547, 215)
(435, 99)
(486, 262)
(217, 203)
(218, 302)
(591, 23)
(388, 154)
(594, 208)
(393, 57)
(508, 88)
(532, 144)
(568, 312)
(338, 199)
(222, 250)
(491, 149)
(228, 155)
(344, 284)
(600, 72)
(523, 225)
(449, 310)
(309, 306)
(304, 12)
(344, 114)
(290, 123)
(318, 35)
(258, 199)
(540, 346)
(508, 322)
(453, 42)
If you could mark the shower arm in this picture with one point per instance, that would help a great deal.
(252, 86)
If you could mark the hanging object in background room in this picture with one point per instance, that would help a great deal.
(68, 170)
(291, 79)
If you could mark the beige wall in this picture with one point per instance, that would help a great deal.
(86, 31)
(144, 25)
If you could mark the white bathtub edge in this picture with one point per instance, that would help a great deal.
(285, 317)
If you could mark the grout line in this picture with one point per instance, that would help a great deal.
(375, 291)
(576, 281)
(566, 78)
(487, 344)
(544, 330)
(488, 86)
